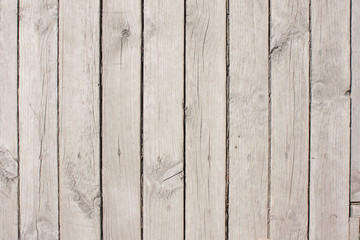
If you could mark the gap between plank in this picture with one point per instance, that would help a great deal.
(58, 114)
(227, 60)
(142, 124)
(184, 127)
(350, 150)
(269, 119)
(101, 119)
(17, 116)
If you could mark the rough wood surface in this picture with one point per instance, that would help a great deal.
(289, 119)
(355, 98)
(354, 229)
(121, 118)
(163, 119)
(205, 119)
(38, 119)
(330, 120)
(248, 140)
(8, 121)
(79, 119)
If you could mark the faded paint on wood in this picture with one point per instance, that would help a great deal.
(121, 118)
(355, 210)
(38, 119)
(163, 119)
(330, 120)
(355, 99)
(205, 119)
(8, 121)
(248, 130)
(289, 119)
(79, 119)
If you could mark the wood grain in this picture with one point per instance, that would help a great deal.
(248, 133)
(163, 119)
(121, 118)
(79, 119)
(8, 121)
(205, 119)
(330, 120)
(289, 119)
(38, 119)
(355, 102)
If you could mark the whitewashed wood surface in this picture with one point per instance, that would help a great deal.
(179, 119)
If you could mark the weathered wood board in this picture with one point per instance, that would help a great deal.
(79, 119)
(289, 49)
(121, 48)
(38, 119)
(8, 121)
(163, 119)
(248, 126)
(330, 120)
(205, 144)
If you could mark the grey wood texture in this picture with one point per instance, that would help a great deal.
(330, 120)
(8, 121)
(248, 127)
(163, 119)
(289, 42)
(121, 119)
(79, 119)
(191, 119)
(205, 119)
(38, 119)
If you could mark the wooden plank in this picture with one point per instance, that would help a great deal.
(205, 119)
(354, 228)
(38, 119)
(248, 130)
(330, 120)
(289, 119)
(355, 210)
(8, 121)
(79, 119)
(163, 119)
(121, 118)
(355, 99)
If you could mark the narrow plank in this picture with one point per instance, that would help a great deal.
(355, 98)
(205, 119)
(248, 130)
(354, 228)
(38, 119)
(289, 119)
(330, 120)
(79, 119)
(163, 119)
(8, 121)
(121, 118)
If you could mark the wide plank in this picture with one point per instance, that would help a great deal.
(248, 126)
(355, 102)
(8, 121)
(79, 119)
(330, 120)
(121, 49)
(38, 119)
(163, 119)
(289, 119)
(205, 119)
